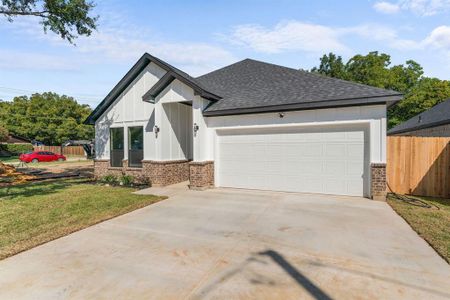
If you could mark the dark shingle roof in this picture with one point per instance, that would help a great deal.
(251, 85)
(435, 116)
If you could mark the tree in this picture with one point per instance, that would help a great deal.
(47, 117)
(331, 65)
(424, 95)
(372, 69)
(3, 134)
(67, 18)
(375, 69)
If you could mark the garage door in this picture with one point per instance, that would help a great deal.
(315, 160)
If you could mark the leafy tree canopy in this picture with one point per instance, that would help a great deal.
(424, 95)
(67, 18)
(3, 134)
(48, 117)
(375, 69)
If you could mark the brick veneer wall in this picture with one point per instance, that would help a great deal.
(378, 181)
(153, 172)
(166, 172)
(201, 175)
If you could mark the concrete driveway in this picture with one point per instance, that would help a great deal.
(232, 244)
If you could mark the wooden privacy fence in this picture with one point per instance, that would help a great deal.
(69, 150)
(419, 166)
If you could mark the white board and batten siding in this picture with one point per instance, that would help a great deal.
(174, 119)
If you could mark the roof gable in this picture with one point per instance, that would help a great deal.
(134, 72)
(435, 116)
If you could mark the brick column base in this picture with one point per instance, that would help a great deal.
(100, 168)
(378, 181)
(201, 175)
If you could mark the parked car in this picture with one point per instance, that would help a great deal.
(41, 156)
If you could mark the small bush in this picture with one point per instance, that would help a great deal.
(109, 179)
(16, 149)
(126, 180)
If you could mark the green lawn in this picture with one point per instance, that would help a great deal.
(433, 224)
(33, 214)
(9, 159)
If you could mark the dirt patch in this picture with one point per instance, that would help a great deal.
(20, 173)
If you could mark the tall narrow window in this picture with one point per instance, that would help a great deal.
(117, 147)
(135, 146)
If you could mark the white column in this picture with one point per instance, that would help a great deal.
(158, 137)
(204, 138)
(383, 133)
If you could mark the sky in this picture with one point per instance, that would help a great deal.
(201, 36)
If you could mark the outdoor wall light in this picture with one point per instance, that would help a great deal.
(281, 115)
(196, 128)
(156, 130)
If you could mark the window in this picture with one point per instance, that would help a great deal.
(135, 146)
(117, 141)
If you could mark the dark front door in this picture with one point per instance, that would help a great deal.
(117, 142)
(135, 146)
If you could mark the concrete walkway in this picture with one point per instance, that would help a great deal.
(235, 244)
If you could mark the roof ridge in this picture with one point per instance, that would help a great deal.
(307, 73)
(220, 69)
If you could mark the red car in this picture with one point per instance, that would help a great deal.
(41, 156)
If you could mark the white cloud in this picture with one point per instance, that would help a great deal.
(386, 7)
(314, 38)
(119, 42)
(287, 36)
(381, 33)
(419, 7)
(439, 38)
(426, 7)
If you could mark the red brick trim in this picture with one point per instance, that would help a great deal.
(378, 181)
(152, 172)
(201, 175)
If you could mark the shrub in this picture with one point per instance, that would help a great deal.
(16, 149)
(126, 180)
(110, 179)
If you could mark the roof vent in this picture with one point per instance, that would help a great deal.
(420, 119)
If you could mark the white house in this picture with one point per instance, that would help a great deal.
(249, 125)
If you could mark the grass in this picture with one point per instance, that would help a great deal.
(9, 159)
(33, 214)
(433, 224)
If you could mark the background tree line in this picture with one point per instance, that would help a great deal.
(375, 69)
(48, 118)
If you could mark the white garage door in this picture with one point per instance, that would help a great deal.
(315, 160)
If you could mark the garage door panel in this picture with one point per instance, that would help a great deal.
(355, 135)
(355, 168)
(335, 149)
(333, 136)
(313, 149)
(319, 161)
(336, 167)
(355, 150)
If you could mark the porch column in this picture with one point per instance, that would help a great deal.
(201, 169)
